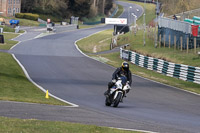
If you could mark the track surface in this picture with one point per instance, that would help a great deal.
(54, 63)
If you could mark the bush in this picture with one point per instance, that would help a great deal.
(19, 15)
(29, 16)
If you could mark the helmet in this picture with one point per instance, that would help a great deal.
(125, 66)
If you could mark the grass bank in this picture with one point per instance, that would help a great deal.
(96, 43)
(14, 86)
(26, 22)
(36, 126)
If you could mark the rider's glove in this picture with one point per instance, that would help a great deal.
(127, 82)
(114, 80)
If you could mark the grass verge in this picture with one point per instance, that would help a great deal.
(119, 12)
(8, 43)
(14, 86)
(26, 22)
(36, 126)
(97, 42)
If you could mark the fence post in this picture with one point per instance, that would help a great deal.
(160, 41)
(169, 41)
(181, 43)
(187, 44)
(174, 42)
(164, 40)
(195, 45)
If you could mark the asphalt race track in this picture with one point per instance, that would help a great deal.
(54, 63)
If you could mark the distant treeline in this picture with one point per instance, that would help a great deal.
(67, 8)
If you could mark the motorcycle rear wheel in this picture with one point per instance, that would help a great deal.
(107, 102)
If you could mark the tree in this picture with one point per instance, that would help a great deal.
(66, 8)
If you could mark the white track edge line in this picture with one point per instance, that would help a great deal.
(28, 77)
(41, 88)
(27, 103)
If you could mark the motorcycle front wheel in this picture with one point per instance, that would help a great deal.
(117, 100)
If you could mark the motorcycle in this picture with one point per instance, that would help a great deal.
(118, 92)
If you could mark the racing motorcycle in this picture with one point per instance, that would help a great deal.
(118, 92)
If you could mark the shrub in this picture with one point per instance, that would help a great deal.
(19, 15)
(29, 16)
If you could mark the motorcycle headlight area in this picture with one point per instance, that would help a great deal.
(119, 84)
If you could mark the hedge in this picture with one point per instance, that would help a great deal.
(29, 16)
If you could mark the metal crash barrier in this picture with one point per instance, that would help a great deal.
(180, 71)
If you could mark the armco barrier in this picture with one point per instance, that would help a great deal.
(180, 71)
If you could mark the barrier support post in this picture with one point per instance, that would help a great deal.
(187, 44)
(174, 42)
(195, 45)
(181, 43)
(169, 41)
(160, 41)
(164, 40)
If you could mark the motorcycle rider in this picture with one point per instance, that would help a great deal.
(119, 72)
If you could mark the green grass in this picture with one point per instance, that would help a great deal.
(8, 42)
(119, 12)
(100, 42)
(14, 86)
(93, 19)
(26, 22)
(53, 18)
(85, 26)
(23, 22)
(7, 29)
(13, 125)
